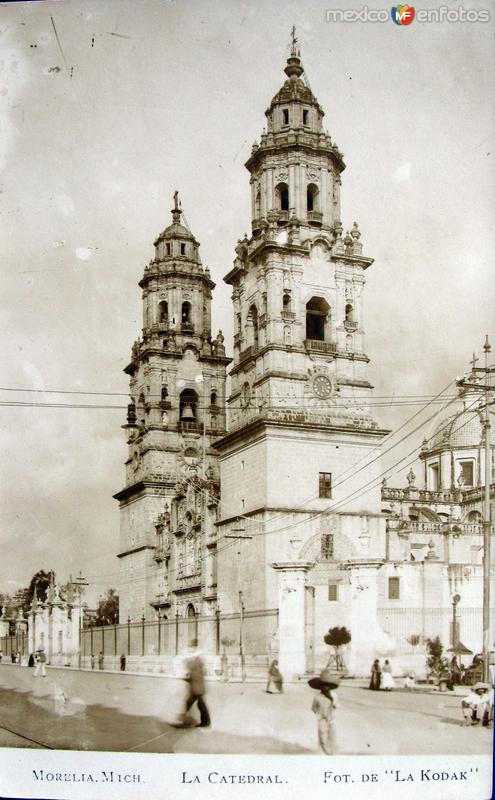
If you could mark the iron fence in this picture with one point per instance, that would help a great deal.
(404, 625)
(217, 634)
(14, 644)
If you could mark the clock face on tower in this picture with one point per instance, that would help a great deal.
(322, 386)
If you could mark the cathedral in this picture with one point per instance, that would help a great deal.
(260, 493)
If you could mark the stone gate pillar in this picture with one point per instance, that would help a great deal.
(368, 638)
(292, 617)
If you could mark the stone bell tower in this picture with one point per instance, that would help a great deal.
(299, 419)
(177, 407)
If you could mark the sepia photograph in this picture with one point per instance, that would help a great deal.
(247, 399)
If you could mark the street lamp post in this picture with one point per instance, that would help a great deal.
(238, 533)
(455, 633)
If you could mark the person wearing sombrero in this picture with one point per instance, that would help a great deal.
(325, 706)
(477, 706)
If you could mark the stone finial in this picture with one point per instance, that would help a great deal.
(411, 478)
(355, 232)
(348, 242)
(431, 555)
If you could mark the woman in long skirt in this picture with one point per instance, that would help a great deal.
(388, 682)
(376, 675)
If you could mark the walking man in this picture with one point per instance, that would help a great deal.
(40, 664)
(100, 659)
(196, 685)
(275, 677)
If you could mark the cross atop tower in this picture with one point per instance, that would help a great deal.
(176, 211)
(293, 49)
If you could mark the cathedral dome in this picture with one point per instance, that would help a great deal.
(177, 241)
(462, 429)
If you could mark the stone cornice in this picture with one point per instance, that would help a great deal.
(136, 550)
(258, 427)
(292, 566)
(176, 271)
(142, 486)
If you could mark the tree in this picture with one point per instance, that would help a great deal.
(436, 662)
(337, 638)
(41, 580)
(107, 612)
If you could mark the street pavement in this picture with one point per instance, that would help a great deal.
(82, 710)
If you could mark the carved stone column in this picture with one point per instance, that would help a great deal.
(292, 617)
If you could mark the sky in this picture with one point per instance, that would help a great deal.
(107, 107)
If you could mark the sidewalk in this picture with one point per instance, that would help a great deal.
(118, 711)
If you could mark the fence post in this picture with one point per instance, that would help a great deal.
(159, 632)
(115, 640)
(128, 636)
(142, 635)
(176, 632)
(91, 636)
(103, 640)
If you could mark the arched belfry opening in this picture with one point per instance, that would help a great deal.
(317, 319)
(282, 196)
(312, 198)
(188, 409)
(163, 312)
(349, 313)
(186, 316)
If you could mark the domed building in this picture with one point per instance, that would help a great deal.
(454, 457)
(435, 536)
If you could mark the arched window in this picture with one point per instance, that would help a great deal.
(257, 204)
(188, 409)
(164, 391)
(140, 409)
(213, 398)
(312, 197)
(286, 302)
(317, 314)
(163, 311)
(349, 313)
(192, 627)
(252, 321)
(186, 315)
(282, 196)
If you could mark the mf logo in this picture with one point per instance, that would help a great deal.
(402, 15)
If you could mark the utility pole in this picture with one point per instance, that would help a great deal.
(485, 389)
(240, 535)
(79, 584)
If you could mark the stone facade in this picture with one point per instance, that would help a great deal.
(271, 497)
